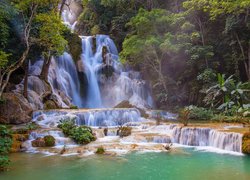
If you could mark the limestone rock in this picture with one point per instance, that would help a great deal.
(39, 142)
(246, 143)
(15, 109)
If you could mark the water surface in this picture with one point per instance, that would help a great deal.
(188, 164)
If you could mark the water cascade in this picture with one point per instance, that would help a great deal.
(207, 137)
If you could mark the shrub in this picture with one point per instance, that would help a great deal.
(49, 141)
(100, 150)
(200, 113)
(80, 134)
(184, 116)
(5, 145)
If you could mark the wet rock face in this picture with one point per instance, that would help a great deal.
(39, 142)
(246, 143)
(15, 109)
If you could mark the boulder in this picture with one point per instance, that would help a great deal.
(124, 131)
(39, 142)
(49, 141)
(15, 109)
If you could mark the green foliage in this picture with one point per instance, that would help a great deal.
(80, 134)
(5, 145)
(51, 33)
(49, 141)
(100, 150)
(200, 113)
(226, 94)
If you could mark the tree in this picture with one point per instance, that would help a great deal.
(8, 68)
(50, 38)
(157, 37)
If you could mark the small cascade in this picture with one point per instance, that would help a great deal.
(207, 137)
(93, 117)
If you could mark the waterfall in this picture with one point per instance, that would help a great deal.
(63, 78)
(207, 137)
(91, 61)
(93, 117)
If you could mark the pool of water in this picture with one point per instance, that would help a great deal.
(186, 164)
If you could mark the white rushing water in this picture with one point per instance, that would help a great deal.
(93, 117)
(207, 137)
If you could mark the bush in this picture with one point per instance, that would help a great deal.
(100, 150)
(49, 141)
(5, 145)
(80, 134)
(199, 113)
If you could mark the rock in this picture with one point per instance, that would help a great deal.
(49, 104)
(126, 104)
(246, 143)
(15, 109)
(46, 141)
(124, 131)
(100, 150)
(17, 140)
(49, 141)
(105, 131)
(39, 142)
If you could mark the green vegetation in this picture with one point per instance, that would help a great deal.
(49, 141)
(5, 145)
(80, 134)
(100, 150)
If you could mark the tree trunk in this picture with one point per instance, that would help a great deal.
(61, 8)
(25, 84)
(248, 66)
(45, 69)
(10, 70)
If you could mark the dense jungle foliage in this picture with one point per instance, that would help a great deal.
(191, 51)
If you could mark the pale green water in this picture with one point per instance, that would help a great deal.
(191, 165)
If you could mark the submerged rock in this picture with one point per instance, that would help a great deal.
(15, 109)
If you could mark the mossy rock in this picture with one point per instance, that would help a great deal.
(39, 142)
(49, 141)
(246, 143)
(75, 45)
(126, 104)
(49, 104)
(124, 131)
(100, 150)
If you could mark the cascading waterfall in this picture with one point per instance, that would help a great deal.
(91, 61)
(63, 78)
(93, 117)
(207, 137)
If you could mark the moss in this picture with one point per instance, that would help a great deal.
(49, 141)
(100, 150)
(246, 143)
(49, 104)
(74, 45)
(73, 107)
